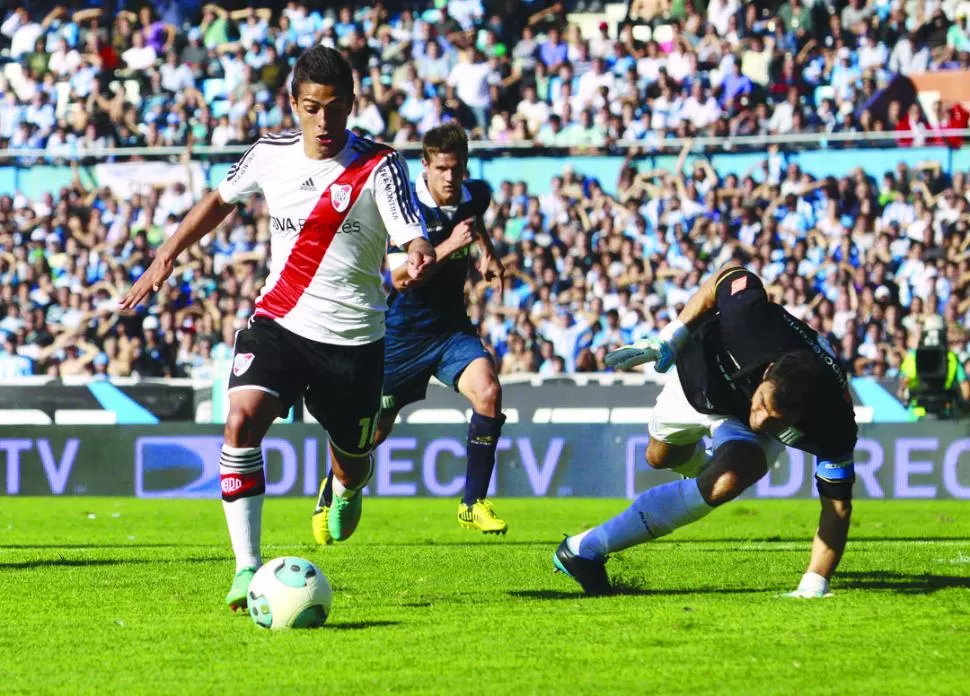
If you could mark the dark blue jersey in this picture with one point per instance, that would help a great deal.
(438, 306)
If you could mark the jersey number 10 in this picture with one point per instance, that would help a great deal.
(368, 426)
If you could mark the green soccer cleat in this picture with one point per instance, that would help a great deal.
(588, 572)
(344, 516)
(236, 598)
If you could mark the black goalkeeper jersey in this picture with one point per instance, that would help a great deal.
(726, 356)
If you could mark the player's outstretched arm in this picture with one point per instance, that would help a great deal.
(662, 350)
(198, 222)
(827, 548)
(704, 300)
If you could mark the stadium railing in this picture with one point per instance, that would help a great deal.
(791, 141)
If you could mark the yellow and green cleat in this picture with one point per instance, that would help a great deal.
(481, 516)
(335, 518)
(319, 522)
(321, 529)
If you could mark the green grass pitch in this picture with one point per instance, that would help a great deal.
(125, 596)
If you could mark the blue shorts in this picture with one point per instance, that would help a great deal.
(410, 362)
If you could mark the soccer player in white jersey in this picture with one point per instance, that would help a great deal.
(318, 326)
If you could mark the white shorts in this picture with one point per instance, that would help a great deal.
(676, 422)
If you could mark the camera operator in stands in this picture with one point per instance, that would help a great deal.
(932, 380)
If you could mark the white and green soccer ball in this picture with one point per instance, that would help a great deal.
(289, 592)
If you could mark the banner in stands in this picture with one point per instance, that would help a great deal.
(925, 460)
(128, 178)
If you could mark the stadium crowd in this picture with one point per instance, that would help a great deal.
(592, 264)
(509, 70)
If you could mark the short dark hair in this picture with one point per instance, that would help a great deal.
(799, 378)
(322, 65)
(449, 138)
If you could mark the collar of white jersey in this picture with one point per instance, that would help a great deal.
(351, 139)
(425, 197)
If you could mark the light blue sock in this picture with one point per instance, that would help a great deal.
(698, 461)
(655, 513)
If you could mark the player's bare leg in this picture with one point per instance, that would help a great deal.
(479, 383)
(350, 475)
(243, 481)
(385, 425)
(687, 460)
(659, 511)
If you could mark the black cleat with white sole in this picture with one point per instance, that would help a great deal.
(589, 573)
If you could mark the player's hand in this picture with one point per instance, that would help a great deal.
(492, 269)
(461, 235)
(150, 281)
(421, 257)
(644, 351)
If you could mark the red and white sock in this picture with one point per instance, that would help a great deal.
(243, 484)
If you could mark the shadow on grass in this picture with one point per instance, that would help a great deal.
(484, 542)
(361, 625)
(94, 562)
(629, 591)
(802, 538)
(903, 583)
(130, 545)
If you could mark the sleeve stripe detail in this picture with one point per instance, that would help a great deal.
(281, 140)
(232, 170)
(402, 190)
(412, 197)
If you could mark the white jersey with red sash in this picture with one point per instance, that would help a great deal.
(329, 224)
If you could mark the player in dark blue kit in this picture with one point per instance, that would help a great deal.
(428, 332)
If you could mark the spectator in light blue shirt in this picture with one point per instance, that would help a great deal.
(735, 85)
(12, 364)
(11, 115)
(844, 75)
(620, 61)
(345, 24)
(554, 50)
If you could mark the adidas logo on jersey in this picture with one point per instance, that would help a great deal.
(308, 185)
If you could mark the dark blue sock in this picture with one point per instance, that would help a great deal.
(326, 495)
(483, 434)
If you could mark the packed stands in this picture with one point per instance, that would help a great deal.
(593, 263)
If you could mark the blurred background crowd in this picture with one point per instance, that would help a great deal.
(173, 72)
(592, 263)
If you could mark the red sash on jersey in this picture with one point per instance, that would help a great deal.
(317, 234)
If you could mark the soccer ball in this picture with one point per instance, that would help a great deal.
(290, 592)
